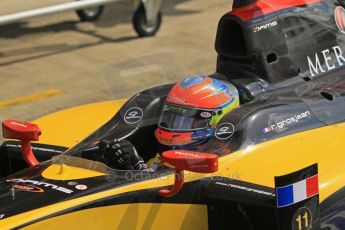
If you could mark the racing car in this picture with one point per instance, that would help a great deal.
(274, 162)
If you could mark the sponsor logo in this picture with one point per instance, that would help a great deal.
(72, 183)
(331, 57)
(225, 131)
(289, 121)
(175, 109)
(264, 27)
(339, 16)
(18, 124)
(133, 115)
(186, 154)
(111, 176)
(43, 184)
(27, 188)
(247, 189)
(81, 187)
(177, 100)
(206, 114)
(36, 148)
(2, 216)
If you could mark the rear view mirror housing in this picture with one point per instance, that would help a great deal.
(191, 161)
(181, 160)
(24, 132)
(19, 130)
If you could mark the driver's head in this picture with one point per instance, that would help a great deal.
(193, 109)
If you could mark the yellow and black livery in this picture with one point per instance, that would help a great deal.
(288, 129)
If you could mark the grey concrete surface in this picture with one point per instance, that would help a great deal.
(83, 59)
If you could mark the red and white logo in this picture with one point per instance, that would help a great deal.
(27, 188)
(81, 187)
(339, 16)
(206, 114)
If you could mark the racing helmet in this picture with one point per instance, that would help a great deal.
(193, 109)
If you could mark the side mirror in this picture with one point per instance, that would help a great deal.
(182, 160)
(25, 132)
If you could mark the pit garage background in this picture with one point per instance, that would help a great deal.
(55, 62)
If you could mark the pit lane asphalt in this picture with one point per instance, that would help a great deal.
(57, 53)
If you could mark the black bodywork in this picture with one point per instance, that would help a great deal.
(277, 55)
(281, 94)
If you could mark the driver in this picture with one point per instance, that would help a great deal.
(189, 117)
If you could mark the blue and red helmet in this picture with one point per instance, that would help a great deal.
(193, 109)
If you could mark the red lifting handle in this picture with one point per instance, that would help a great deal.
(25, 132)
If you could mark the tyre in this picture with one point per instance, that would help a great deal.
(140, 24)
(90, 14)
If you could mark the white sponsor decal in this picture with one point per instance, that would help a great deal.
(2, 216)
(225, 131)
(186, 154)
(291, 120)
(36, 148)
(18, 124)
(81, 187)
(206, 114)
(331, 57)
(133, 115)
(44, 184)
(246, 188)
(264, 27)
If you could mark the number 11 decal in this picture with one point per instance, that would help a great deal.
(302, 219)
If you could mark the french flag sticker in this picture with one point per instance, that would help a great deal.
(299, 191)
(266, 130)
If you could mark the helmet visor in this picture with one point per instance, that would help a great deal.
(179, 118)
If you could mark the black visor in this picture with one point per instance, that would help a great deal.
(179, 118)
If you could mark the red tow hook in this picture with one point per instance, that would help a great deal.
(191, 161)
(25, 133)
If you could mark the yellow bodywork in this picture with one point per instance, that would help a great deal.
(65, 172)
(256, 164)
(76, 123)
(131, 216)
